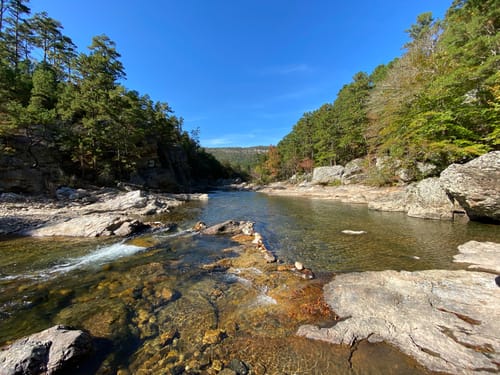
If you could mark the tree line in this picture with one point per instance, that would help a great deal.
(439, 102)
(74, 103)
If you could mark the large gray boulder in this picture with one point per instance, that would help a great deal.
(354, 172)
(446, 320)
(46, 352)
(427, 200)
(327, 175)
(476, 186)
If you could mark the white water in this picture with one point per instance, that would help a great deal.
(98, 257)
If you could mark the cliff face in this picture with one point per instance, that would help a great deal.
(31, 169)
(38, 169)
(163, 168)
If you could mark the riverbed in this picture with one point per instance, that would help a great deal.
(152, 299)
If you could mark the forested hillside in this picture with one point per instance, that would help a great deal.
(242, 160)
(439, 102)
(74, 105)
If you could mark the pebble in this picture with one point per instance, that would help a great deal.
(299, 266)
(238, 366)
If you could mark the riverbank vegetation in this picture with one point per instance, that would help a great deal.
(75, 104)
(439, 102)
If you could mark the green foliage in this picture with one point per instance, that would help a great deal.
(333, 134)
(75, 103)
(438, 102)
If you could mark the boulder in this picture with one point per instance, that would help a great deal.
(475, 186)
(230, 227)
(327, 175)
(426, 169)
(392, 201)
(446, 320)
(354, 172)
(427, 199)
(47, 352)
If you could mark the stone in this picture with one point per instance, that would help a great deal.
(238, 366)
(200, 225)
(307, 274)
(269, 258)
(46, 352)
(229, 227)
(67, 193)
(392, 201)
(213, 336)
(299, 266)
(427, 200)
(131, 200)
(327, 175)
(354, 172)
(387, 163)
(475, 186)
(483, 255)
(95, 225)
(447, 320)
(426, 169)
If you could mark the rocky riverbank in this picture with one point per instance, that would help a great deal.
(447, 320)
(86, 213)
(224, 319)
(469, 191)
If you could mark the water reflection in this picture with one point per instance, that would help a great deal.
(310, 230)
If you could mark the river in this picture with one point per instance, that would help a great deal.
(151, 300)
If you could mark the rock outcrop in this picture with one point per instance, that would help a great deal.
(96, 225)
(354, 172)
(81, 213)
(47, 352)
(328, 175)
(482, 255)
(427, 199)
(447, 320)
(475, 186)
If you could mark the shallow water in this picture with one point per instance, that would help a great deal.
(151, 300)
(310, 231)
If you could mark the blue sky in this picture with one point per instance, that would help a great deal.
(243, 71)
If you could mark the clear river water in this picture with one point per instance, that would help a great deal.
(151, 299)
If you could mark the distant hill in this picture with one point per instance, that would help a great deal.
(241, 158)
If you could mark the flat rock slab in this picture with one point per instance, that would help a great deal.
(447, 320)
(482, 255)
(96, 225)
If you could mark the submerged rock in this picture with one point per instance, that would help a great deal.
(46, 352)
(475, 186)
(447, 320)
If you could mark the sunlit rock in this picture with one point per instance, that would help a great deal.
(327, 175)
(446, 320)
(475, 186)
(47, 352)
